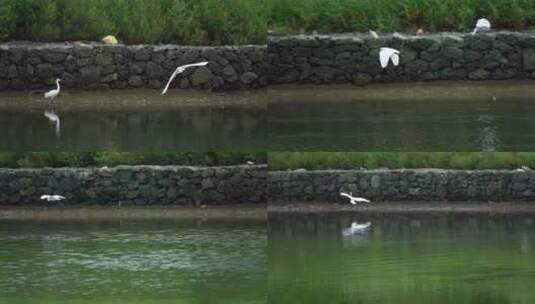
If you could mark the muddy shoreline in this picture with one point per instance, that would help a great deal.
(130, 100)
(412, 207)
(492, 90)
(140, 213)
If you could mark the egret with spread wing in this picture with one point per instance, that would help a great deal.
(179, 70)
(387, 54)
(354, 200)
(52, 198)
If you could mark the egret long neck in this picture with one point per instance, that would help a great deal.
(57, 85)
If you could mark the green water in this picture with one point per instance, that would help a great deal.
(402, 259)
(479, 116)
(186, 261)
(189, 128)
(138, 119)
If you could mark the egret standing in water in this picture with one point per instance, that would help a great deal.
(482, 25)
(374, 34)
(354, 200)
(53, 93)
(387, 54)
(179, 70)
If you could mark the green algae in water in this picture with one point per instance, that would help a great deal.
(186, 261)
(403, 259)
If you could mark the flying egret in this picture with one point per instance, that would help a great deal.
(354, 200)
(386, 54)
(53, 93)
(481, 26)
(374, 34)
(54, 118)
(356, 228)
(181, 69)
(52, 198)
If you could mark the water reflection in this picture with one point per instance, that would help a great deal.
(356, 229)
(404, 258)
(405, 119)
(487, 138)
(54, 119)
(134, 120)
(193, 129)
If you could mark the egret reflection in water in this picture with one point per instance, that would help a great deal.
(487, 137)
(403, 259)
(55, 120)
(356, 228)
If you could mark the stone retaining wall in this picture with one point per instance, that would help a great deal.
(146, 185)
(401, 185)
(319, 59)
(344, 58)
(95, 65)
(136, 185)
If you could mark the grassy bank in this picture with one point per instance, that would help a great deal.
(110, 159)
(198, 22)
(400, 15)
(394, 160)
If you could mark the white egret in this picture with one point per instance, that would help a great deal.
(354, 200)
(53, 93)
(181, 69)
(52, 198)
(386, 54)
(374, 34)
(356, 228)
(419, 32)
(54, 118)
(482, 25)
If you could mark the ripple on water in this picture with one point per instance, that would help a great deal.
(119, 261)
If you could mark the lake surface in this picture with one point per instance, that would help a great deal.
(402, 259)
(488, 116)
(133, 261)
(134, 120)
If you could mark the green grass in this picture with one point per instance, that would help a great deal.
(110, 159)
(195, 22)
(399, 15)
(215, 22)
(394, 160)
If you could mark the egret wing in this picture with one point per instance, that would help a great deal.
(203, 63)
(51, 93)
(384, 56)
(395, 59)
(170, 80)
(179, 70)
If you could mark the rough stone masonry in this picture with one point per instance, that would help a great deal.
(161, 185)
(430, 185)
(136, 185)
(354, 58)
(95, 65)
